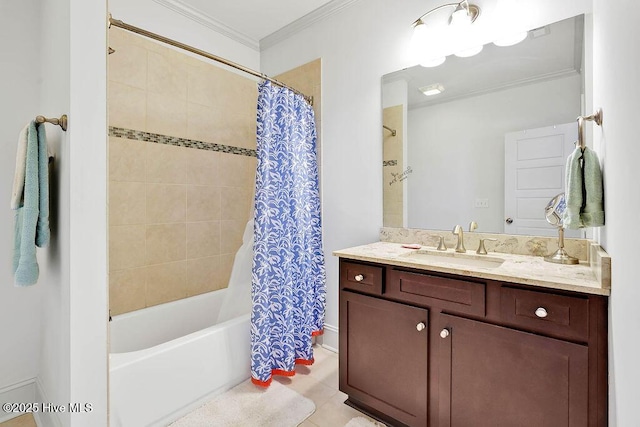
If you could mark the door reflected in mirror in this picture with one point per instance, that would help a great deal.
(492, 145)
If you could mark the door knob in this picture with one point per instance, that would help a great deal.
(444, 333)
(420, 326)
(359, 278)
(541, 312)
(509, 220)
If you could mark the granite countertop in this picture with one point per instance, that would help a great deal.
(592, 277)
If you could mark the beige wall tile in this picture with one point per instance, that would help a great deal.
(166, 203)
(202, 167)
(126, 246)
(166, 282)
(226, 266)
(127, 106)
(167, 74)
(166, 243)
(166, 115)
(126, 203)
(127, 290)
(127, 160)
(204, 275)
(203, 239)
(202, 81)
(128, 65)
(203, 203)
(205, 123)
(231, 232)
(166, 163)
(237, 171)
(235, 203)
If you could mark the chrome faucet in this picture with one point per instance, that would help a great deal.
(457, 230)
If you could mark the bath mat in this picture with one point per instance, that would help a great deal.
(248, 406)
(363, 422)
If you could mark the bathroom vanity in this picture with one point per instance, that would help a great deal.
(501, 340)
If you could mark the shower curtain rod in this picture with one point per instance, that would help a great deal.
(154, 36)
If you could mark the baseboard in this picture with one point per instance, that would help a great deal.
(45, 419)
(330, 338)
(22, 392)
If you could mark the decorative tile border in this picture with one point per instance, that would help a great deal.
(179, 142)
(389, 163)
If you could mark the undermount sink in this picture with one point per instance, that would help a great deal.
(464, 260)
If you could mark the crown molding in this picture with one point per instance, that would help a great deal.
(319, 14)
(209, 22)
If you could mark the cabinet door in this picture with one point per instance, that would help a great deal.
(383, 356)
(495, 376)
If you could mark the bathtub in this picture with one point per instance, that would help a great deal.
(169, 359)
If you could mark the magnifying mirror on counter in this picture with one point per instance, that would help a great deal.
(553, 213)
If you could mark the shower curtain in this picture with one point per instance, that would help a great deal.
(288, 276)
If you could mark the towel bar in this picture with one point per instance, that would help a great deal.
(62, 121)
(596, 117)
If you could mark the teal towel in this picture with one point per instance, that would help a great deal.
(32, 218)
(584, 190)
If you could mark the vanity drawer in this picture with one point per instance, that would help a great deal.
(461, 296)
(361, 277)
(560, 316)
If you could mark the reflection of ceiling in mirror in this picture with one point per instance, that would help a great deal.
(548, 52)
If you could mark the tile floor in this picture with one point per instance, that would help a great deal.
(318, 382)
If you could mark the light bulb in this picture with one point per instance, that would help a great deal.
(460, 17)
(511, 39)
(432, 62)
(465, 53)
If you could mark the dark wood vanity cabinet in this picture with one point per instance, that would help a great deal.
(430, 349)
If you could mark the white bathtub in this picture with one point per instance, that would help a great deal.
(169, 359)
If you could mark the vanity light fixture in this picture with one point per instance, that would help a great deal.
(433, 89)
(511, 39)
(465, 53)
(463, 15)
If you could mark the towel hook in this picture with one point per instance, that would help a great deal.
(62, 121)
(595, 117)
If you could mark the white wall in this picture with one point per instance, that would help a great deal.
(616, 69)
(358, 45)
(55, 332)
(457, 147)
(19, 73)
(53, 375)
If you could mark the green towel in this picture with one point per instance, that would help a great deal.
(584, 190)
(32, 218)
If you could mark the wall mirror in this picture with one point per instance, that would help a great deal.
(491, 147)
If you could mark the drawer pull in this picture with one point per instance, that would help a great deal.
(359, 278)
(444, 333)
(541, 312)
(420, 326)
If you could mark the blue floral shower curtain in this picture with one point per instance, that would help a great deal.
(288, 277)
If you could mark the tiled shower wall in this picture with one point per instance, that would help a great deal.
(176, 213)
(181, 169)
(393, 167)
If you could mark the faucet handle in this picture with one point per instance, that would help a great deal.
(472, 226)
(481, 249)
(441, 245)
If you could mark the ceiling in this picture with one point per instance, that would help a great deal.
(253, 19)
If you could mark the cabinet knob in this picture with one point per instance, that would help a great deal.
(359, 278)
(444, 333)
(541, 312)
(420, 326)
(509, 220)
